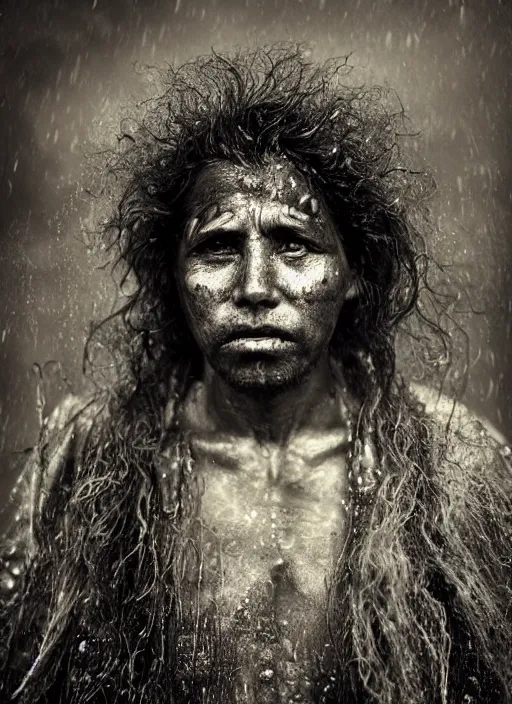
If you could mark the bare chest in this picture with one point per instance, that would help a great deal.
(269, 527)
(261, 550)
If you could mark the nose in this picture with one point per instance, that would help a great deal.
(256, 285)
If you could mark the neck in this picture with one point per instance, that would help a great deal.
(273, 417)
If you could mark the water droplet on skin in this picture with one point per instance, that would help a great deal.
(266, 675)
(287, 542)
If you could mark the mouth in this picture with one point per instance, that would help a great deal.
(263, 339)
(261, 332)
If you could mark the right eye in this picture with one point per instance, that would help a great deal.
(218, 245)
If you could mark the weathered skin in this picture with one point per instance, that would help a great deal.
(270, 527)
(268, 422)
(262, 276)
(248, 591)
(260, 250)
(272, 503)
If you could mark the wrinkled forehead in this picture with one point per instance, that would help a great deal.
(223, 181)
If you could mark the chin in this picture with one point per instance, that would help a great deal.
(264, 376)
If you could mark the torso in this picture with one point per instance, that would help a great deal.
(264, 545)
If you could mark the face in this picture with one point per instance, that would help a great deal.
(262, 274)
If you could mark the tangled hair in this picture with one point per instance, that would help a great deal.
(247, 109)
(420, 601)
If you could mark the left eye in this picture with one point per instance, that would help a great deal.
(294, 248)
(291, 244)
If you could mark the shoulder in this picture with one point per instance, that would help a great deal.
(454, 416)
(55, 443)
(64, 434)
(62, 437)
(74, 414)
(474, 459)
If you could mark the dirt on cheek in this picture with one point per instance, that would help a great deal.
(319, 293)
(195, 288)
(196, 297)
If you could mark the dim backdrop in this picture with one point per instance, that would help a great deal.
(67, 66)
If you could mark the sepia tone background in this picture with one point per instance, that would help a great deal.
(67, 68)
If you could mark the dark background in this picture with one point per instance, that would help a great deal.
(67, 67)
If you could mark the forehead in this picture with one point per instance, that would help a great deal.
(223, 181)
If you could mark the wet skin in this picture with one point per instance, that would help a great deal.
(262, 277)
(262, 274)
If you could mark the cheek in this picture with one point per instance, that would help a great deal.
(317, 292)
(318, 283)
(202, 288)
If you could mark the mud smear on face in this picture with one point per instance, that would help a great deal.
(262, 274)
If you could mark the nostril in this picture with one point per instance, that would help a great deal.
(256, 296)
(256, 285)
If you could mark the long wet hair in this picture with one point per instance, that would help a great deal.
(420, 601)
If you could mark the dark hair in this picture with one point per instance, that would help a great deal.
(418, 567)
(346, 141)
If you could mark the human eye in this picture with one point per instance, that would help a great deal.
(218, 245)
(293, 248)
(292, 244)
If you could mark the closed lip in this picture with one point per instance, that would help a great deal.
(262, 331)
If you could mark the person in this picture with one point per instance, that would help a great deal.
(259, 506)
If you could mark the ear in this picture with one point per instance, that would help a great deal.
(353, 290)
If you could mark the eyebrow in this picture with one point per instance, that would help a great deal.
(289, 218)
(295, 220)
(218, 222)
